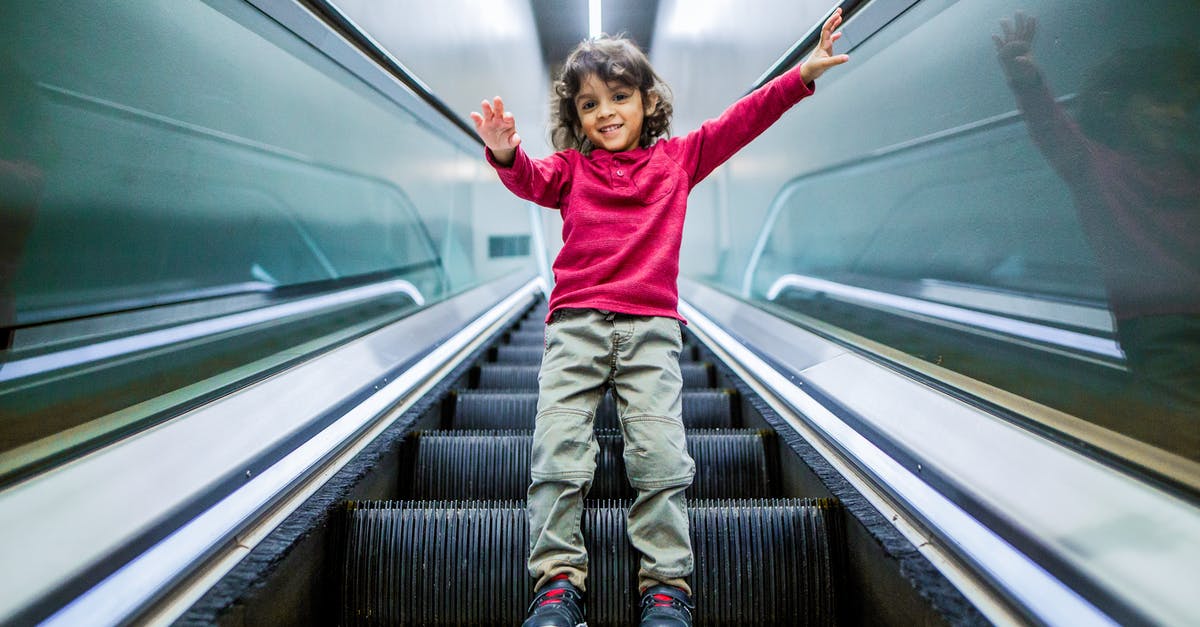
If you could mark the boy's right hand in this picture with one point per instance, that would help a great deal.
(498, 130)
(1015, 49)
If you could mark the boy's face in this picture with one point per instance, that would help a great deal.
(611, 114)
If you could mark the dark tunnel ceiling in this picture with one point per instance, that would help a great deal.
(563, 23)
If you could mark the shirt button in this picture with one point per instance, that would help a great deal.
(620, 172)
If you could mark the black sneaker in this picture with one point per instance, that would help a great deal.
(558, 604)
(666, 606)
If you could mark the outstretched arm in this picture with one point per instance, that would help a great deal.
(498, 130)
(543, 181)
(1054, 133)
(704, 149)
(823, 58)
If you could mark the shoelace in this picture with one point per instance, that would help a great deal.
(556, 595)
(551, 596)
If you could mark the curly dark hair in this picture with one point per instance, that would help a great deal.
(612, 59)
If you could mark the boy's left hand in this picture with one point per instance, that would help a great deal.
(823, 58)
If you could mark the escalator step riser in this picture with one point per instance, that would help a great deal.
(521, 354)
(702, 409)
(756, 563)
(505, 377)
(495, 465)
(482, 465)
(435, 567)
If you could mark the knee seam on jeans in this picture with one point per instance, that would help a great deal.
(555, 476)
(651, 418)
(673, 482)
(562, 410)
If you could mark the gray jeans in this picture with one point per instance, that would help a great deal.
(638, 356)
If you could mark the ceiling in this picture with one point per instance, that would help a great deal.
(563, 23)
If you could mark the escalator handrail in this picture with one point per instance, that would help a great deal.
(796, 53)
(349, 29)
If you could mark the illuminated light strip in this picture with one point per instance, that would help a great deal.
(595, 27)
(21, 368)
(1030, 584)
(1019, 328)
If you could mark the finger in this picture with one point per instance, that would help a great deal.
(478, 120)
(488, 113)
(834, 37)
(830, 24)
(498, 105)
(832, 61)
(1006, 26)
(827, 27)
(1030, 28)
(999, 42)
(514, 140)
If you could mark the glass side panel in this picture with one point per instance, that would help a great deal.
(1016, 202)
(192, 197)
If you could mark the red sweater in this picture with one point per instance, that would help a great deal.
(623, 212)
(1142, 219)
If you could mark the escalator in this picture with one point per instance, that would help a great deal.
(451, 546)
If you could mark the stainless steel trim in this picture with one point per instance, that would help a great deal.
(1040, 335)
(64, 524)
(1137, 543)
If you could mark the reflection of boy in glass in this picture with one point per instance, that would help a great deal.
(20, 183)
(1132, 161)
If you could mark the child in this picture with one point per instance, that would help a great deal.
(1131, 158)
(613, 319)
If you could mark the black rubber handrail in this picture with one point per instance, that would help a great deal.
(355, 34)
(796, 53)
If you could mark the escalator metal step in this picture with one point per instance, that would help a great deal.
(468, 465)
(702, 409)
(767, 562)
(531, 336)
(508, 377)
(523, 354)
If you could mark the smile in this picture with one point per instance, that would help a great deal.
(610, 128)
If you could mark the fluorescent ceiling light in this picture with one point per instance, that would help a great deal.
(594, 28)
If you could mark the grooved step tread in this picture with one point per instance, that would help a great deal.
(470, 465)
(702, 409)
